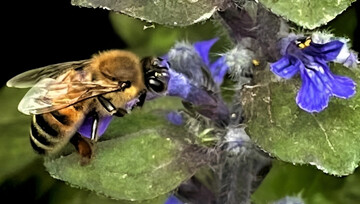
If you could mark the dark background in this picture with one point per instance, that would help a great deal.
(42, 32)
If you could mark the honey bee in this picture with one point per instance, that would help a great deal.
(64, 95)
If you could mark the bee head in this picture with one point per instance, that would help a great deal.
(156, 74)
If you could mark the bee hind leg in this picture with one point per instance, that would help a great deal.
(84, 147)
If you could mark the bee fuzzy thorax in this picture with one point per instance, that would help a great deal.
(119, 65)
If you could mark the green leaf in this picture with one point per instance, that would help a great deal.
(15, 148)
(309, 14)
(329, 140)
(166, 12)
(134, 167)
(140, 159)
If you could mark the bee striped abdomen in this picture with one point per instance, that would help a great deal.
(49, 132)
(42, 135)
(63, 119)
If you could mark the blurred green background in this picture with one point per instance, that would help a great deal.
(48, 32)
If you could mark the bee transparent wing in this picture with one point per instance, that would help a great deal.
(51, 94)
(30, 78)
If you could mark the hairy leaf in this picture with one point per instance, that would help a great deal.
(329, 139)
(133, 167)
(139, 159)
(166, 12)
(309, 14)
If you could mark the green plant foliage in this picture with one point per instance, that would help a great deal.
(308, 14)
(139, 160)
(166, 12)
(15, 149)
(306, 182)
(153, 39)
(329, 139)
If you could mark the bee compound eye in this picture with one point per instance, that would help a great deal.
(156, 85)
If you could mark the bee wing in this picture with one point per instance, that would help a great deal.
(51, 94)
(30, 78)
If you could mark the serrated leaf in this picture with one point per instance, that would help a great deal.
(166, 12)
(329, 140)
(308, 14)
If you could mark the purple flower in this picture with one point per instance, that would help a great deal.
(196, 80)
(175, 118)
(218, 68)
(318, 82)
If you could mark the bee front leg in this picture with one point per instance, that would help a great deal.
(84, 147)
(94, 128)
(107, 104)
(119, 112)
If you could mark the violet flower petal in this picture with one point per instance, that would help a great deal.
(85, 128)
(218, 69)
(313, 95)
(188, 80)
(203, 49)
(204, 101)
(175, 118)
(343, 87)
(286, 67)
(328, 51)
(178, 85)
(351, 61)
(340, 86)
(318, 82)
(173, 200)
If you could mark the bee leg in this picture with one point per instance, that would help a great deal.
(84, 147)
(107, 104)
(120, 112)
(142, 98)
